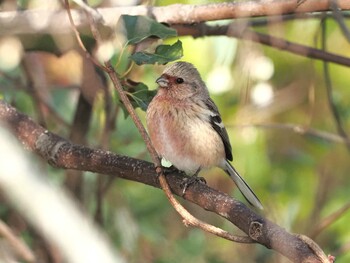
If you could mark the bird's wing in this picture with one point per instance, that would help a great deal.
(218, 126)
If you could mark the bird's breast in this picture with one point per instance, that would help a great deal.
(182, 134)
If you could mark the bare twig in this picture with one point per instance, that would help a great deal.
(270, 20)
(329, 89)
(103, 184)
(32, 89)
(111, 111)
(78, 133)
(190, 220)
(93, 12)
(327, 221)
(17, 244)
(338, 16)
(300, 129)
(77, 36)
(343, 249)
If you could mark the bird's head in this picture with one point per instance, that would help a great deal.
(181, 80)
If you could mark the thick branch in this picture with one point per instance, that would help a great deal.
(181, 20)
(61, 153)
(48, 21)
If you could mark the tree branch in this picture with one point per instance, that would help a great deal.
(240, 31)
(62, 154)
(48, 21)
(185, 20)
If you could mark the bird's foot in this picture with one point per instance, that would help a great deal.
(172, 169)
(167, 170)
(190, 180)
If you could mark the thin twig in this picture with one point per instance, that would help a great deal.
(327, 221)
(111, 111)
(270, 20)
(42, 106)
(299, 129)
(17, 244)
(329, 89)
(93, 12)
(77, 36)
(338, 16)
(343, 249)
(190, 220)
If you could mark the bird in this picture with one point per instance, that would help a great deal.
(186, 129)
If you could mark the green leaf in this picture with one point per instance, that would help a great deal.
(139, 94)
(139, 28)
(162, 55)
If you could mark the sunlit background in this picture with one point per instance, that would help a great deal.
(268, 98)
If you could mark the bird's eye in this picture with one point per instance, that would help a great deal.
(179, 80)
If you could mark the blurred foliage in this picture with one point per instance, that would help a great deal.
(300, 179)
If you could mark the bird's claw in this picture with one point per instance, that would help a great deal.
(168, 170)
(171, 169)
(190, 180)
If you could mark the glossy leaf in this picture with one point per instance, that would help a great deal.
(139, 94)
(163, 54)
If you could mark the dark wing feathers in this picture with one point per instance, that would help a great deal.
(219, 127)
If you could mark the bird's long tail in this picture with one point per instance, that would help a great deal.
(246, 191)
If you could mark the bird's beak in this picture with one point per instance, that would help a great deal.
(162, 82)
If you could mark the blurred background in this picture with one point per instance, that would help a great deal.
(277, 108)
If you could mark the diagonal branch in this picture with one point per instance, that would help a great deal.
(63, 154)
(330, 219)
(17, 243)
(237, 30)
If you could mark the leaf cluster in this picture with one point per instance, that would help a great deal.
(138, 29)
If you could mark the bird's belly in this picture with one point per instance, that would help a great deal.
(189, 145)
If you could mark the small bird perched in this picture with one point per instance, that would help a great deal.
(185, 126)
